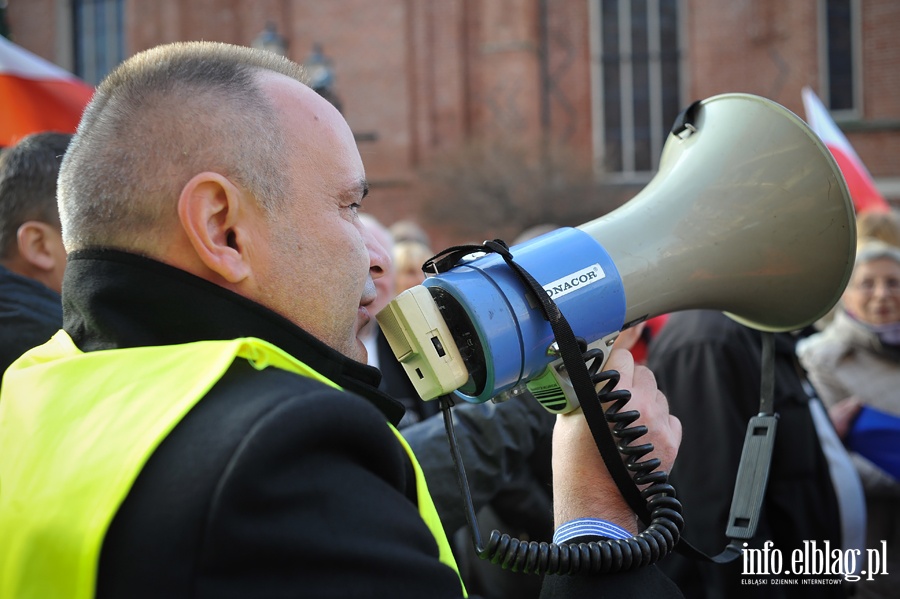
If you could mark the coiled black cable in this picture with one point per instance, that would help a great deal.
(594, 557)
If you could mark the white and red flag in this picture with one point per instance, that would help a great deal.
(36, 95)
(862, 188)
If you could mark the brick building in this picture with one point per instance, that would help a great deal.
(481, 117)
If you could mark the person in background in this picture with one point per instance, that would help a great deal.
(384, 286)
(870, 225)
(394, 380)
(874, 224)
(409, 256)
(32, 256)
(205, 424)
(855, 362)
(710, 367)
(409, 230)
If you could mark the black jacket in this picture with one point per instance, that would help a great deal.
(709, 367)
(273, 484)
(30, 313)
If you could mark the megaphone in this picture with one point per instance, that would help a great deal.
(748, 214)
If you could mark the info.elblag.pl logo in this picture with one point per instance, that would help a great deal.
(813, 564)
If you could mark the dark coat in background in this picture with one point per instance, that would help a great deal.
(30, 313)
(709, 367)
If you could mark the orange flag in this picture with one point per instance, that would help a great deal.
(36, 95)
(862, 188)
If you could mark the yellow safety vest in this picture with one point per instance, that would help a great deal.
(76, 429)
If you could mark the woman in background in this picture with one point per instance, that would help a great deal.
(854, 362)
(409, 256)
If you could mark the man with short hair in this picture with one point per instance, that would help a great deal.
(32, 256)
(205, 424)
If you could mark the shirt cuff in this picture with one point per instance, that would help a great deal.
(589, 527)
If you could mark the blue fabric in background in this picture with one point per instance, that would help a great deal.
(876, 436)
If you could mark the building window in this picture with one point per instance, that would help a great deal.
(99, 37)
(842, 55)
(636, 82)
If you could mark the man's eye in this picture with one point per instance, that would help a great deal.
(355, 206)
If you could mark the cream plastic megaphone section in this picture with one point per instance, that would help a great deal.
(748, 214)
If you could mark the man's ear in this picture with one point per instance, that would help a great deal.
(35, 240)
(211, 209)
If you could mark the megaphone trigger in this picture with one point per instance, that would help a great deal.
(553, 388)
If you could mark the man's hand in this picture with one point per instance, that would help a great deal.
(582, 486)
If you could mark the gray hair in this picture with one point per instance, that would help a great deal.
(869, 250)
(161, 117)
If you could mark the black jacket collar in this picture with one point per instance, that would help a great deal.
(113, 299)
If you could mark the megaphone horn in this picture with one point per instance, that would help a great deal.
(748, 214)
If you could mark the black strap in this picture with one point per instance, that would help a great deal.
(767, 381)
(450, 257)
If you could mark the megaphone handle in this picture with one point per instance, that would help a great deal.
(585, 390)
